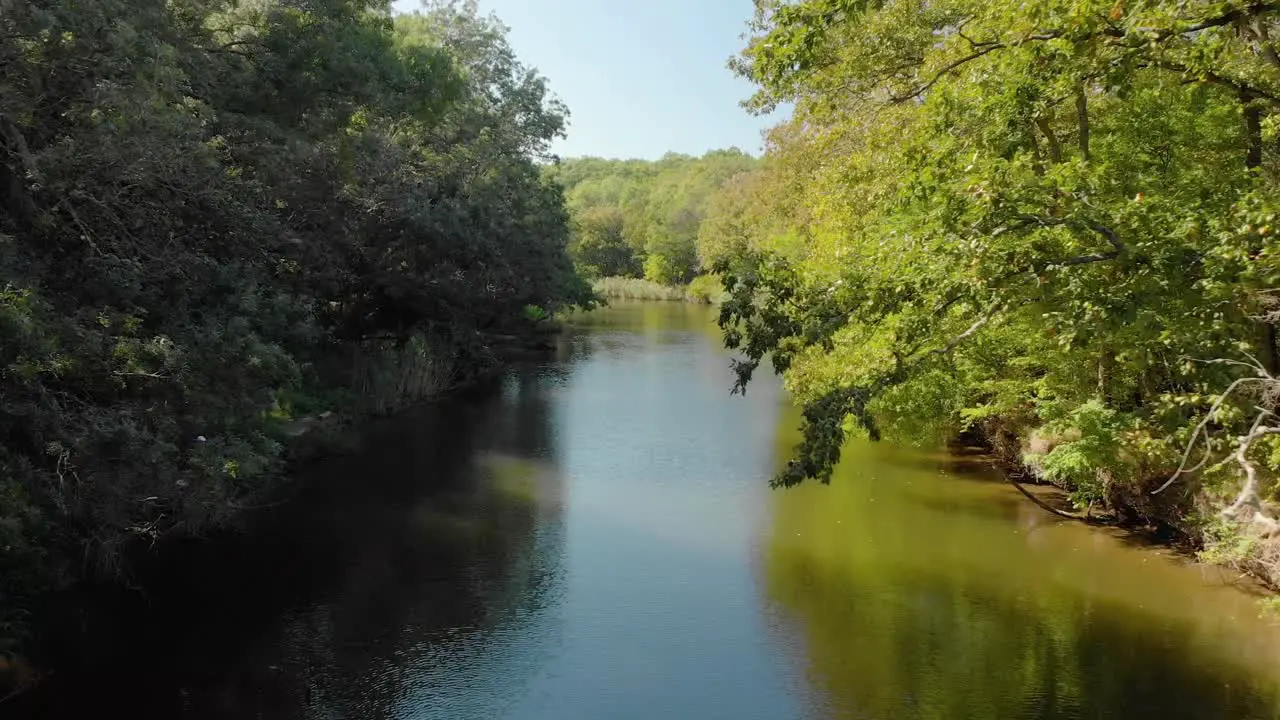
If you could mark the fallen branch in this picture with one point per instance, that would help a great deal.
(1086, 518)
(122, 373)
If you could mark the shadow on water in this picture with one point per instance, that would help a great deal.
(438, 522)
(939, 649)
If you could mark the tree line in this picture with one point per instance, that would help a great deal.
(650, 219)
(1049, 223)
(216, 216)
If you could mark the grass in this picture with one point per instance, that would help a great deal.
(703, 289)
(624, 288)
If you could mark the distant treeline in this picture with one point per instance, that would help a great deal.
(216, 216)
(661, 220)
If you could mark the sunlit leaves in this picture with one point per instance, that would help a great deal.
(647, 217)
(1011, 204)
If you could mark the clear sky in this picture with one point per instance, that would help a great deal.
(640, 77)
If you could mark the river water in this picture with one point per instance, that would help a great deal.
(593, 537)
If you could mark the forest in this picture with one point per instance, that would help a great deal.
(219, 217)
(1047, 226)
(657, 220)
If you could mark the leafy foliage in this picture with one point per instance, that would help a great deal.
(636, 218)
(207, 205)
(1011, 215)
(1098, 431)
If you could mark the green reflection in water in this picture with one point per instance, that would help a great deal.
(654, 321)
(923, 589)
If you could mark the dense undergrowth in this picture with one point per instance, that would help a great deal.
(1052, 222)
(218, 216)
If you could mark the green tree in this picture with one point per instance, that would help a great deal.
(209, 208)
(1036, 220)
(599, 243)
(661, 205)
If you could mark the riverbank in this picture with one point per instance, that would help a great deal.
(321, 435)
(1191, 521)
(705, 289)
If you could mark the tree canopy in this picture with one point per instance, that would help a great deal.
(636, 218)
(1052, 222)
(205, 202)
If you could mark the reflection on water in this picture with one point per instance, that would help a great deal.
(443, 529)
(592, 537)
(920, 595)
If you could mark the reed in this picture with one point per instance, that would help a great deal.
(386, 378)
(703, 289)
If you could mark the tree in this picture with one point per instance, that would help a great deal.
(661, 206)
(600, 245)
(210, 208)
(733, 217)
(1033, 220)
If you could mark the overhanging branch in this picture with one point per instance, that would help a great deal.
(1134, 38)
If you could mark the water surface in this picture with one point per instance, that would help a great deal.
(593, 537)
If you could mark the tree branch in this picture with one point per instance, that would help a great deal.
(84, 230)
(1134, 38)
(15, 144)
(1082, 118)
(950, 67)
(1112, 238)
(1198, 431)
(1055, 148)
(1226, 18)
(1211, 77)
(974, 328)
(1029, 220)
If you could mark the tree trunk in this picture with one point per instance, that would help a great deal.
(13, 180)
(1082, 117)
(1253, 159)
(1037, 160)
(1106, 362)
(1055, 148)
(1252, 131)
(1270, 355)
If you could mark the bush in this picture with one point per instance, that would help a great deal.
(705, 289)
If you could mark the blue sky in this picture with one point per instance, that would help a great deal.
(640, 77)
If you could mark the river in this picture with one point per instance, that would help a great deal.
(593, 537)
